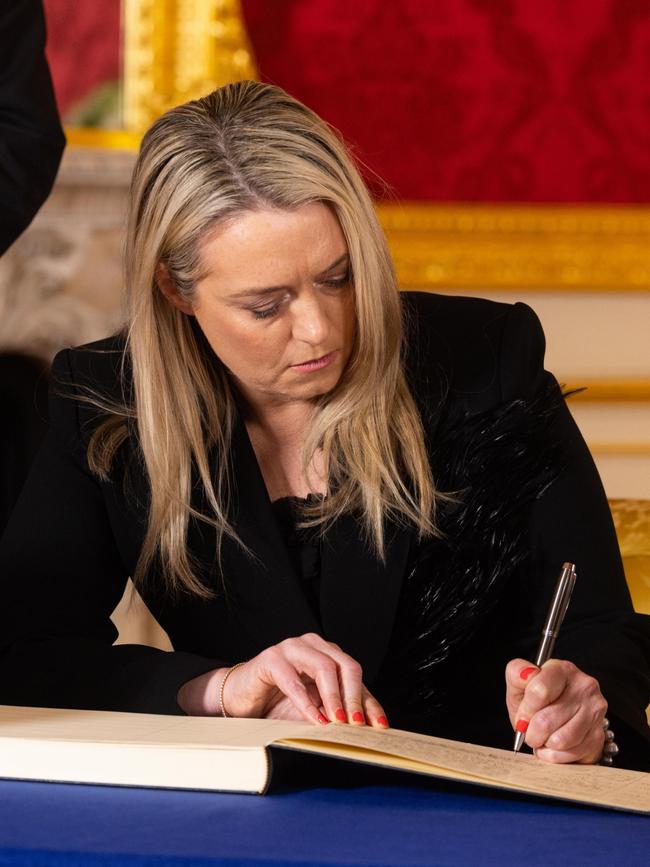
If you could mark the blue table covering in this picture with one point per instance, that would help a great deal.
(382, 820)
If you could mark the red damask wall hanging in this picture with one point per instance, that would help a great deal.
(474, 100)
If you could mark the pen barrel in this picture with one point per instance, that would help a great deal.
(545, 649)
(559, 605)
(554, 618)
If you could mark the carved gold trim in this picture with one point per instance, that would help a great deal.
(624, 449)
(611, 390)
(568, 248)
(107, 139)
(176, 50)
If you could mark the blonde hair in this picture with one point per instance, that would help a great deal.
(243, 147)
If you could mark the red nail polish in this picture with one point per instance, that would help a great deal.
(322, 719)
(382, 721)
(525, 673)
(357, 716)
(340, 714)
(522, 725)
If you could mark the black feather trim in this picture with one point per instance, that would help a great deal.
(495, 464)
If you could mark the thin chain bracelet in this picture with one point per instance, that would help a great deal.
(610, 750)
(221, 711)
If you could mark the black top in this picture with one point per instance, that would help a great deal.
(432, 627)
(303, 545)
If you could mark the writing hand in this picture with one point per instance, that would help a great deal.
(560, 708)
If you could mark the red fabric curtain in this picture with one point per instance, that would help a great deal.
(474, 100)
(83, 47)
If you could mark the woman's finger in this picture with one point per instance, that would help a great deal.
(518, 673)
(588, 751)
(277, 669)
(587, 721)
(321, 668)
(561, 725)
(542, 690)
(374, 712)
(351, 707)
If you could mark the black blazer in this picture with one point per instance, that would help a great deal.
(31, 138)
(73, 541)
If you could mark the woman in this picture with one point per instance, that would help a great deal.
(359, 503)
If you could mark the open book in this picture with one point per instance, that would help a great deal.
(179, 752)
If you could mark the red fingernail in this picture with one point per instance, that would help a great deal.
(357, 716)
(525, 673)
(382, 721)
(322, 719)
(340, 714)
(522, 725)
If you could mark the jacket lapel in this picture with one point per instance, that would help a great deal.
(262, 586)
(359, 593)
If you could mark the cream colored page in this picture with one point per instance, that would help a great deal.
(147, 729)
(592, 783)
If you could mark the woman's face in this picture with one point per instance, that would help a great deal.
(277, 303)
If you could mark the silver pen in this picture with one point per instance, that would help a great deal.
(554, 618)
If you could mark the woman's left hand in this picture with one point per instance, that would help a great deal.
(560, 708)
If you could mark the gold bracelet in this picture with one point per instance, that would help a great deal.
(222, 710)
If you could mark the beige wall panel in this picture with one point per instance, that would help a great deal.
(591, 335)
(625, 476)
(619, 438)
(605, 424)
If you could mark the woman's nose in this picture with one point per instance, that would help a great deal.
(310, 323)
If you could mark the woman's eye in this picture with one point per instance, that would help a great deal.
(338, 282)
(266, 312)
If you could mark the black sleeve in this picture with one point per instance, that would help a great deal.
(61, 576)
(31, 138)
(572, 522)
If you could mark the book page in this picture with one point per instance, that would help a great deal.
(586, 783)
(55, 724)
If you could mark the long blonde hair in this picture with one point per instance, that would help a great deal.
(243, 147)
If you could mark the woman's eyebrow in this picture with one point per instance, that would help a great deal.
(266, 290)
(336, 263)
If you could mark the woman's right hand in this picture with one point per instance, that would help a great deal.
(302, 678)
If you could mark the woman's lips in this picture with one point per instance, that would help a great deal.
(316, 363)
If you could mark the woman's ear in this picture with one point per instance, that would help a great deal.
(170, 291)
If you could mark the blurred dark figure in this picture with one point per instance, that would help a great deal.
(31, 138)
(23, 398)
(31, 145)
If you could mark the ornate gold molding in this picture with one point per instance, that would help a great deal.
(103, 139)
(611, 390)
(623, 449)
(567, 248)
(176, 50)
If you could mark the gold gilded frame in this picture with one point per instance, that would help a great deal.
(175, 50)
(549, 248)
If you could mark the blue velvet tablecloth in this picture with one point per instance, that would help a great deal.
(395, 820)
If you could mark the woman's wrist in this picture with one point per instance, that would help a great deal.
(221, 707)
(200, 696)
